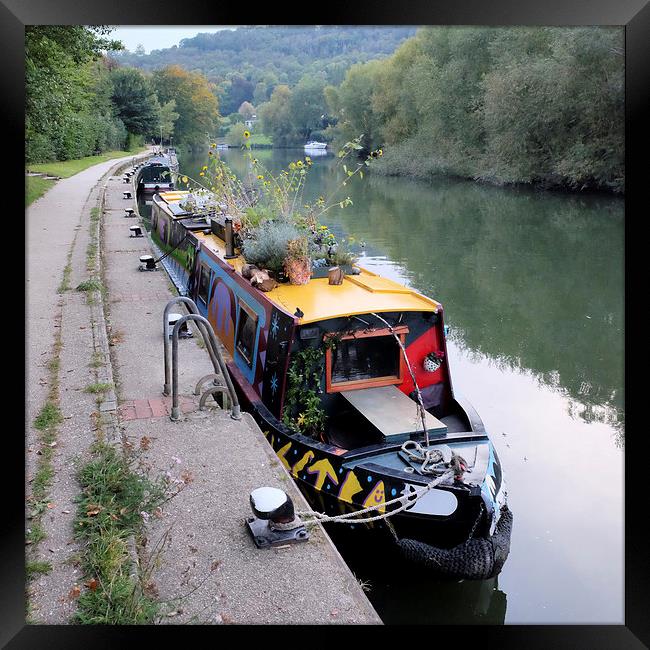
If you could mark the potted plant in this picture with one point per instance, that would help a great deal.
(266, 246)
(297, 263)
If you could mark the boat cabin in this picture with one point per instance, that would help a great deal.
(155, 175)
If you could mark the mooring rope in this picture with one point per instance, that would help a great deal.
(172, 250)
(420, 403)
(356, 517)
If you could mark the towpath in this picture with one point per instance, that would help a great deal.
(59, 347)
(196, 555)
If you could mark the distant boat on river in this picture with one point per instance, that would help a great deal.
(312, 144)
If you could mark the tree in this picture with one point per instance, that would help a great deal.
(246, 110)
(135, 101)
(308, 106)
(167, 118)
(276, 118)
(196, 103)
(64, 115)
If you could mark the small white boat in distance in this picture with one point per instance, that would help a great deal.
(316, 145)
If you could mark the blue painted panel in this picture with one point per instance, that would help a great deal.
(251, 302)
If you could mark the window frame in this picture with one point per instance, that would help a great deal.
(204, 268)
(375, 382)
(242, 306)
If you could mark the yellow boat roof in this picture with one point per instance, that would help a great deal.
(318, 300)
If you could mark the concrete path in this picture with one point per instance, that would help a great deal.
(197, 556)
(59, 330)
(53, 221)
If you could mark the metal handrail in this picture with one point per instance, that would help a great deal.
(192, 308)
(235, 412)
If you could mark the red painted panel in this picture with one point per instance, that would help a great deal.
(416, 352)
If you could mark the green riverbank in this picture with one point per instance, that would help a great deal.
(36, 186)
(67, 168)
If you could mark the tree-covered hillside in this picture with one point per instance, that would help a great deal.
(247, 63)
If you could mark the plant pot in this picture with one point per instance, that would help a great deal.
(298, 270)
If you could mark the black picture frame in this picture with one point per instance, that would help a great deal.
(634, 15)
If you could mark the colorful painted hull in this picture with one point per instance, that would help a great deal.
(335, 476)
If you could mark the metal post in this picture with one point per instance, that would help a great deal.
(235, 413)
(191, 305)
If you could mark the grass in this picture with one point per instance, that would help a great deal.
(67, 168)
(35, 568)
(49, 416)
(92, 284)
(256, 139)
(109, 512)
(35, 187)
(99, 387)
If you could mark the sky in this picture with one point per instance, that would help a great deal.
(156, 38)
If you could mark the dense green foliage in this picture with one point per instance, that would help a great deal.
(68, 112)
(505, 105)
(80, 102)
(135, 101)
(247, 63)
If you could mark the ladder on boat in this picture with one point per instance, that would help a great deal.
(221, 382)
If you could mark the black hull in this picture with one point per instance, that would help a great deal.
(457, 546)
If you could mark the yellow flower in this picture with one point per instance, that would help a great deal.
(260, 177)
(301, 419)
(201, 174)
(380, 152)
(299, 163)
(184, 179)
(247, 134)
(204, 167)
(307, 159)
(209, 153)
(292, 165)
(213, 145)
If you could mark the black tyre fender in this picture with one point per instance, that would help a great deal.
(478, 559)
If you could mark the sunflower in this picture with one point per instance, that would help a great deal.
(247, 134)
(260, 177)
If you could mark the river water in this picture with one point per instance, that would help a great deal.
(532, 284)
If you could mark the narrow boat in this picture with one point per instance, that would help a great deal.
(156, 174)
(376, 350)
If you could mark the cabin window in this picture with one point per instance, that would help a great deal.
(204, 284)
(246, 331)
(364, 360)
